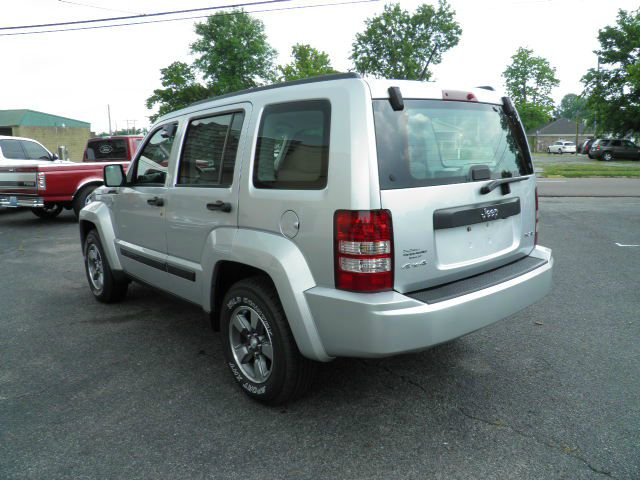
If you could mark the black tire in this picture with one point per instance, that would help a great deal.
(80, 199)
(110, 289)
(48, 211)
(290, 374)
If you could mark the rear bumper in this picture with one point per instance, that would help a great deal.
(14, 201)
(389, 323)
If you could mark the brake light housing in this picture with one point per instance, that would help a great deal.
(42, 181)
(363, 250)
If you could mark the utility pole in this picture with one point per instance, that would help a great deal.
(109, 114)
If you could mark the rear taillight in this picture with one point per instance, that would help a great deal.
(42, 181)
(363, 250)
(537, 218)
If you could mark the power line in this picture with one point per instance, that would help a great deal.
(78, 4)
(131, 17)
(95, 27)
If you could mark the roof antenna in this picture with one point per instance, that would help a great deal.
(395, 99)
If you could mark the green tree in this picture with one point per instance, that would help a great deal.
(307, 62)
(232, 52)
(180, 89)
(613, 89)
(529, 80)
(397, 44)
(573, 107)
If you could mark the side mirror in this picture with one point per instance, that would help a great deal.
(114, 176)
(54, 157)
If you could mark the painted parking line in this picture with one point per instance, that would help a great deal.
(623, 245)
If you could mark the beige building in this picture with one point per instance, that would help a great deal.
(52, 131)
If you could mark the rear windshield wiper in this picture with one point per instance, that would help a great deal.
(503, 181)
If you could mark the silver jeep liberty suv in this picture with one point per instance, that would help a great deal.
(335, 216)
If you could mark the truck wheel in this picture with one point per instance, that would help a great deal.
(80, 200)
(48, 211)
(258, 345)
(104, 286)
(607, 156)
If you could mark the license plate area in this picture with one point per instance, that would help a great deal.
(13, 201)
(474, 243)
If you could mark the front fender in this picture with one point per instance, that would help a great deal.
(98, 214)
(283, 261)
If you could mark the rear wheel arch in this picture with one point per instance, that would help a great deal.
(81, 194)
(225, 274)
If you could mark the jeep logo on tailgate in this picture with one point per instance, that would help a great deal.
(490, 213)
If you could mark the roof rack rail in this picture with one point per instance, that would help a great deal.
(318, 79)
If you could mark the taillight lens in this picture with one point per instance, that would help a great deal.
(363, 250)
(42, 181)
(537, 218)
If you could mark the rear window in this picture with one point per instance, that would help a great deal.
(112, 149)
(433, 142)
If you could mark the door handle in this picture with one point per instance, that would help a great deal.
(156, 201)
(219, 205)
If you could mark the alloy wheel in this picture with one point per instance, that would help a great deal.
(251, 344)
(94, 265)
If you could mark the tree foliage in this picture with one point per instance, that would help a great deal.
(180, 89)
(613, 89)
(529, 80)
(573, 107)
(306, 62)
(398, 44)
(232, 53)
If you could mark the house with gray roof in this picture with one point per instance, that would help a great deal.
(559, 129)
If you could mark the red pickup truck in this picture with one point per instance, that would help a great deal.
(49, 188)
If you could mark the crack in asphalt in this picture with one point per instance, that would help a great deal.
(499, 424)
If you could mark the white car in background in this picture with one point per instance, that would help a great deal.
(561, 147)
(17, 151)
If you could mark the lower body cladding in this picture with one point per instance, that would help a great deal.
(21, 201)
(389, 323)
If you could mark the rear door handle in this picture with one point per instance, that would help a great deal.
(156, 201)
(219, 205)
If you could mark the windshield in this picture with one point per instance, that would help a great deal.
(433, 142)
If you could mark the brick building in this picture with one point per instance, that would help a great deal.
(50, 130)
(559, 129)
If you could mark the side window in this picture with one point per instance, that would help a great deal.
(35, 151)
(12, 150)
(153, 161)
(616, 143)
(629, 144)
(292, 151)
(210, 149)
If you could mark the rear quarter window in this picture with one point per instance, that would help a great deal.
(292, 150)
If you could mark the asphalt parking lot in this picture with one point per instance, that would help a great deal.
(139, 389)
